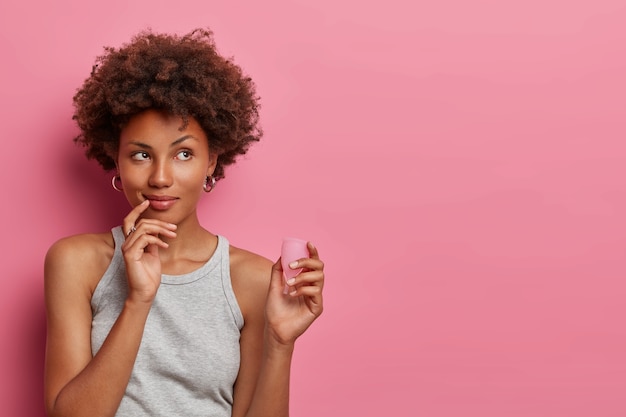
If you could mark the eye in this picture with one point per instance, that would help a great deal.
(184, 155)
(140, 156)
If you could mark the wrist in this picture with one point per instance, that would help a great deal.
(275, 346)
(141, 297)
(138, 303)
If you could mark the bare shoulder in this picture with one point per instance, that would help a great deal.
(82, 257)
(247, 265)
(250, 275)
(72, 269)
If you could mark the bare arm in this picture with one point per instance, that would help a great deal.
(77, 384)
(267, 340)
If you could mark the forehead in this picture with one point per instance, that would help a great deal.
(154, 126)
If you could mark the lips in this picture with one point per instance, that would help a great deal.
(161, 202)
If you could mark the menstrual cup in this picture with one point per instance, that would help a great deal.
(292, 250)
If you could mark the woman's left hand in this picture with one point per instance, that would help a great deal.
(289, 315)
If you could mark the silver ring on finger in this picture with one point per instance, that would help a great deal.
(132, 229)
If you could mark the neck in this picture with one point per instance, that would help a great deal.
(192, 241)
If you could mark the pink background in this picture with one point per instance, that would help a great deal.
(460, 165)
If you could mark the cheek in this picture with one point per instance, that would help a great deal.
(129, 177)
(192, 175)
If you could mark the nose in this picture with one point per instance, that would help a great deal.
(161, 175)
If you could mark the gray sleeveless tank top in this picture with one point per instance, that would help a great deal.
(189, 355)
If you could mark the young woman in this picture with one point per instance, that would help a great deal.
(161, 317)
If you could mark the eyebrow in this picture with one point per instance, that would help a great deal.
(176, 142)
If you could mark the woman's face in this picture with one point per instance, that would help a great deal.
(159, 162)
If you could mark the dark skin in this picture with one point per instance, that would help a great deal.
(183, 74)
(156, 158)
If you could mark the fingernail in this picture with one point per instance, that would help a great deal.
(292, 293)
(291, 281)
(293, 265)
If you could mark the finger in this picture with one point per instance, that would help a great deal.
(139, 243)
(276, 280)
(308, 263)
(307, 278)
(155, 231)
(143, 239)
(312, 294)
(155, 227)
(278, 265)
(312, 262)
(153, 249)
(312, 297)
(313, 252)
(131, 218)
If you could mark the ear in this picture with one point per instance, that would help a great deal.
(212, 163)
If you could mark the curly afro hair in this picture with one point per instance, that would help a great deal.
(183, 75)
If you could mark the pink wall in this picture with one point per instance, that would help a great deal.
(459, 164)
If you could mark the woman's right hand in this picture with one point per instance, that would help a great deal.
(141, 252)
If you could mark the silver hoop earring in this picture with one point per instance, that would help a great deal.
(209, 184)
(114, 180)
